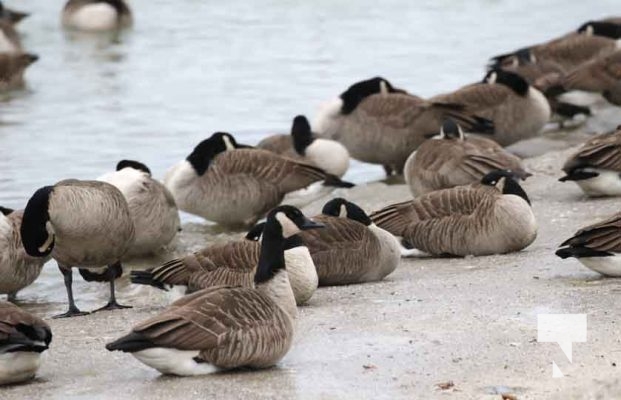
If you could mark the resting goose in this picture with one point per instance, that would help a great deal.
(596, 167)
(597, 247)
(302, 145)
(382, 125)
(232, 263)
(493, 217)
(17, 269)
(232, 184)
(227, 327)
(83, 224)
(350, 249)
(12, 16)
(12, 68)
(454, 160)
(23, 337)
(517, 110)
(96, 15)
(151, 205)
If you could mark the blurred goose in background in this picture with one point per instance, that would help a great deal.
(85, 224)
(596, 167)
(12, 68)
(454, 159)
(227, 327)
(302, 145)
(232, 184)
(351, 248)
(23, 337)
(380, 124)
(491, 217)
(96, 15)
(597, 246)
(517, 110)
(17, 269)
(231, 263)
(151, 205)
(10, 41)
(11, 15)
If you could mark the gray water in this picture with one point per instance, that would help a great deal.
(192, 67)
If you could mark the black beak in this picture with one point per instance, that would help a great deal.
(307, 224)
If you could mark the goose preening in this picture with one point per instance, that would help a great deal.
(232, 184)
(232, 263)
(227, 327)
(351, 248)
(17, 269)
(302, 145)
(96, 15)
(382, 125)
(455, 159)
(493, 217)
(12, 68)
(23, 337)
(517, 110)
(83, 224)
(597, 246)
(151, 205)
(596, 167)
(11, 15)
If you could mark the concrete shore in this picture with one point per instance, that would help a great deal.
(461, 328)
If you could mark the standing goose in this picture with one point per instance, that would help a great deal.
(597, 246)
(227, 327)
(518, 110)
(12, 68)
(224, 182)
(329, 155)
(454, 160)
(596, 167)
(23, 337)
(382, 125)
(350, 249)
(96, 15)
(17, 269)
(233, 263)
(492, 217)
(151, 205)
(83, 224)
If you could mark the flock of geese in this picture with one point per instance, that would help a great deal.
(237, 301)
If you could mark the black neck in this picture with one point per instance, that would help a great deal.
(512, 187)
(293, 242)
(36, 214)
(201, 158)
(301, 140)
(272, 258)
(6, 211)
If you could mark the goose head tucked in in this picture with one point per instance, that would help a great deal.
(208, 149)
(133, 164)
(359, 91)
(600, 28)
(451, 130)
(510, 79)
(506, 182)
(302, 135)
(342, 208)
(36, 230)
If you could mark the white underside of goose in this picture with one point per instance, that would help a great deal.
(540, 101)
(609, 266)
(580, 98)
(303, 197)
(325, 118)
(302, 273)
(607, 183)
(6, 45)
(329, 155)
(125, 180)
(174, 362)
(18, 366)
(94, 17)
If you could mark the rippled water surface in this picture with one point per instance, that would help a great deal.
(189, 68)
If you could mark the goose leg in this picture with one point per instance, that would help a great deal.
(114, 271)
(73, 310)
(388, 170)
(12, 297)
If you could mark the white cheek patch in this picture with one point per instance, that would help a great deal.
(501, 184)
(343, 211)
(289, 228)
(50, 237)
(383, 87)
(492, 78)
(228, 143)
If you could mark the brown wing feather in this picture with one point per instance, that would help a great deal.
(12, 317)
(477, 97)
(602, 236)
(280, 144)
(603, 151)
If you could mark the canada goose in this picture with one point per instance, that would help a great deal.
(12, 67)
(596, 167)
(602, 75)
(517, 110)
(492, 217)
(12, 16)
(350, 249)
(329, 155)
(23, 337)
(17, 269)
(232, 263)
(382, 125)
(231, 184)
(151, 205)
(597, 246)
(10, 41)
(96, 15)
(227, 327)
(454, 160)
(83, 224)
(590, 41)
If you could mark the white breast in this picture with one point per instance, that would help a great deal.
(390, 250)
(6, 45)
(126, 180)
(325, 122)
(18, 366)
(94, 17)
(302, 273)
(173, 361)
(607, 183)
(328, 155)
(540, 102)
(609, 266)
